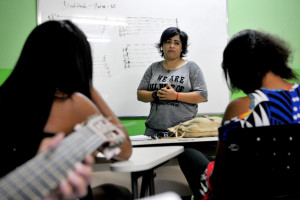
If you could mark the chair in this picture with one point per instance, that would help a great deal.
(259, 163)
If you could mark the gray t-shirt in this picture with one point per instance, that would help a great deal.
(167, 113)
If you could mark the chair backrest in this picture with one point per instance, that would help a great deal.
(260, 163)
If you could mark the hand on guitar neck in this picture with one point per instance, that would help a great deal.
(75, 185)
(38, 177)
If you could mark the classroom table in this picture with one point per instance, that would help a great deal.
(206, 145)
(173, 141)
(142, 163)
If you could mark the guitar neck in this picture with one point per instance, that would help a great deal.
(37, 177)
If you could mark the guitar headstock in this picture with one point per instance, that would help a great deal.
(100, 125)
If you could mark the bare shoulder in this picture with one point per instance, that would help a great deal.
(237, 107)
(78, 97)
(66, 113)
(82, 104)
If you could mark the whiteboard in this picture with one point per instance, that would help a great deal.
(123, 34)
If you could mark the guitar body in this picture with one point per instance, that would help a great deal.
(43, 173)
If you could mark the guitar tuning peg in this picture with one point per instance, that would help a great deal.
(77, 127)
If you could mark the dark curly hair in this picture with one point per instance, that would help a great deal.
(169, 33)
(250, 55)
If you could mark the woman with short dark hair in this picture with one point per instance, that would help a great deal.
(173, 86)
(256, 63)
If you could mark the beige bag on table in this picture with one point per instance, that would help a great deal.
(197, 127)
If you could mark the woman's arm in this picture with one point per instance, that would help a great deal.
(168, 93)
(234, 109)
(143, 93)
(126, 148)
(75, 185)
(145, 96)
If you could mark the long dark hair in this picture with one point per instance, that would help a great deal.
(56, 57)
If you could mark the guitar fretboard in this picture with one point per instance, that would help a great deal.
(37, 177)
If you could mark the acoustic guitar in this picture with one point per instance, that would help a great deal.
(43, 173)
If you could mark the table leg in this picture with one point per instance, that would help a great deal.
(145, 184)
(151, 184)
(134, 185)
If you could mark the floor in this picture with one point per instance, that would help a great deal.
(168, 177)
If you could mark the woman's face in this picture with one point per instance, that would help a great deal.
(172, 48)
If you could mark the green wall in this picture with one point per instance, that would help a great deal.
(17, 19)
(280, 17)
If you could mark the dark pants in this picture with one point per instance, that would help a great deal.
(111, 192)
(193, 163)
(89, 195)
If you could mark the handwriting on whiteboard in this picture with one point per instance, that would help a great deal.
(127, 34)
(89, 5)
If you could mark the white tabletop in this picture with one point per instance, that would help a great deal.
(144, 158)
(178, 141)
